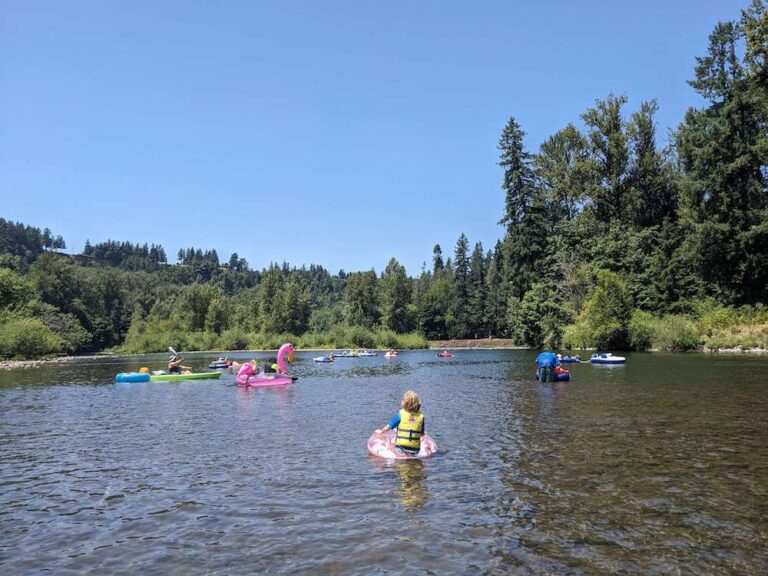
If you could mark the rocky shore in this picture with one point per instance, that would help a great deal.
(14, 364)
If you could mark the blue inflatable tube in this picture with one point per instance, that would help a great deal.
(131, 377)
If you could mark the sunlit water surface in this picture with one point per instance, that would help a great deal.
(659, 466)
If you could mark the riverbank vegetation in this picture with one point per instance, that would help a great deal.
(609, 241)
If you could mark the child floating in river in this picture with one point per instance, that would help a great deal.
(409, 423)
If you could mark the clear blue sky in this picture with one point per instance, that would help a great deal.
(334, 133)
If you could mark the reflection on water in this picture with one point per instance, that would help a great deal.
(413, 491)
(658, 467)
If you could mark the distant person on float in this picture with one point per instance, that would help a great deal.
(271, 366)
(234, 367)
(175, 366)
(546, 363)
(409, 422)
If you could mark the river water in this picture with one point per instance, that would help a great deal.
(659, 466)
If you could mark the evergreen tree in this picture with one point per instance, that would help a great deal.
(435, 310)
(609, 158)
(269, 290)
(650, 193)
(294, 308)
(395, 296)
(460, 312)
(362, 307)
(525, 215)
(438, 268)
(563, 170)
(496, 300)
(477, 293)
(723, 150)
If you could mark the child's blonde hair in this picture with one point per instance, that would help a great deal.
(411, 401)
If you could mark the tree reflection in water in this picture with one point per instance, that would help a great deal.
(413, 491)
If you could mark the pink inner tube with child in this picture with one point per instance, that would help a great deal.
(383, 446)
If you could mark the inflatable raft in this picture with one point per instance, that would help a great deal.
(563, 376)
(383, 446)
(444, 355)
(607, 358)
(570, 360)
(262, 379)
(181, 377)
(323, 359)
(132, 377)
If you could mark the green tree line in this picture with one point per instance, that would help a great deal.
(609, 241)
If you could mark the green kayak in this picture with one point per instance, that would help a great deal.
(194, 376)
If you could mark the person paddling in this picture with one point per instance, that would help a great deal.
(176, 367)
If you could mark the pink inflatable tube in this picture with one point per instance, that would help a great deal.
(383, 446)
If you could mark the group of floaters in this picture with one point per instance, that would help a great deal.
(176, 371)
(403, 437)
(549, 369)
(272, 375)
(391, 353)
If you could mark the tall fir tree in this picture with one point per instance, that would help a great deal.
(525, 214)
(394, 297)
(609, 158)
(723, 150)
(477, 293)
(461, 288)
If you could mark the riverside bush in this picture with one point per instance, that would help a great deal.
(642, 330)
(27, 338)
(578, 336)
(677, 333)
(232, 339)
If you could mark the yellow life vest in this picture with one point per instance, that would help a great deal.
(409, 430)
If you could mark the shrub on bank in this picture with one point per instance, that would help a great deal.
(642, 330)
(677, 333)
(233, 339)
(27, 338)
(578, 336)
